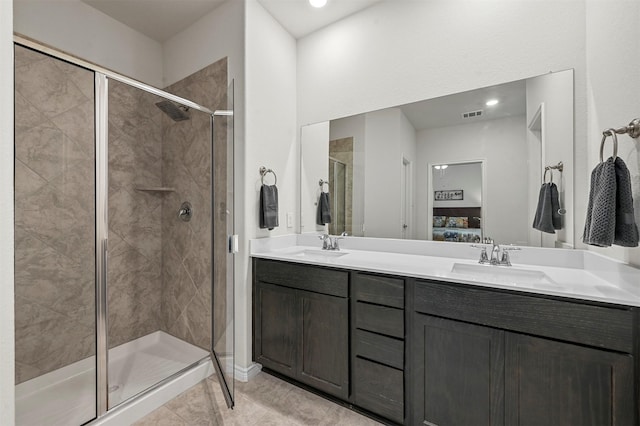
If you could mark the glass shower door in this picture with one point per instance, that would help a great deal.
(225, 247)
(55, 325)
(159, 227)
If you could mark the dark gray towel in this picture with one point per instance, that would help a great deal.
(626, 231)
(323, 215)
(547, 219)
(268, 206)
(600, 225)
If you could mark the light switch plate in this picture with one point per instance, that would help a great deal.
(289, 220)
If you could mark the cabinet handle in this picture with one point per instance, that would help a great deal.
(429, 423)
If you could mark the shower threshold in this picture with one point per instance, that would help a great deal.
(67, 396)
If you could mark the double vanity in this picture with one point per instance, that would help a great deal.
(420, 333)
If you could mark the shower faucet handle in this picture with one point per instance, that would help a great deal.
(185, 212)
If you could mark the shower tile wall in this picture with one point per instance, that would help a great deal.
(186, 248)
(54, 223)
(342, 150)
(135, 217)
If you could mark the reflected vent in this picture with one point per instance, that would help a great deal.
(472, 114)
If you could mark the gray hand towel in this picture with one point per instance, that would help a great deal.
(323, 215)
(626, 231)
(547, 218)
(268, 206)
(599, 227)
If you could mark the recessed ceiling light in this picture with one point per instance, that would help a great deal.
(317, 3)
(492, 102)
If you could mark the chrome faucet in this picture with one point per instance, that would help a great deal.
(495, 254)
(330, 242)
(496, 258)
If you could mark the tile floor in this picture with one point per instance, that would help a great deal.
(265, 400)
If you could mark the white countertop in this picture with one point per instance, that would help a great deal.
(575, 274)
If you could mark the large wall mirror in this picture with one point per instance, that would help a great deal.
(467, 167)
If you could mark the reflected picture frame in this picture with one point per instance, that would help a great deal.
(448, 195)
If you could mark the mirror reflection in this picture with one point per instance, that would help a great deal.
(456, 213)
(405, 171)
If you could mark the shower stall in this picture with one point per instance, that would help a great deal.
(124, 213)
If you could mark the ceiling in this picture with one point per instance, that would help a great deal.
(299, 18)
(447, 110)
(158, 19)
(162, 19)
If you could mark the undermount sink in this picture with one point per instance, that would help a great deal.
(322, 253)
(505, 274)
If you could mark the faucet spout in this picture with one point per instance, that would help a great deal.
(495, 255)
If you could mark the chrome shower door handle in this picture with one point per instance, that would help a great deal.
(185, 212)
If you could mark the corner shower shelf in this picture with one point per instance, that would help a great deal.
(156, 189)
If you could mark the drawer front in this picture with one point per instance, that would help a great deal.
(382, 349)
(380, 319)
(380, 290)
(303, 277)
(379, 389)
(597, 326)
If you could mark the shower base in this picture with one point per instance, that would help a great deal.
(67, 396)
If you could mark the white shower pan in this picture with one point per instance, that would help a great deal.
(67, 396)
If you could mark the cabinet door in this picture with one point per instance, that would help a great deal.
(553, 383)
(276, 324)
(324, 354)
(457, 373)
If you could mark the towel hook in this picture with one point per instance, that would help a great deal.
(544, 178)
(612, 133)
(264, 171)
(323, 182)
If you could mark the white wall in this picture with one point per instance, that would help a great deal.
(555, 91)
(354, 127)
(398, 52)
(7, 409)
(271, 141)
(613, 63)
(389, 139)
(502, 143)
(314, 165)
(466, 176)
(77, 28)
(216, 35)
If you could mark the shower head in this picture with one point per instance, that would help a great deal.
(175, 112)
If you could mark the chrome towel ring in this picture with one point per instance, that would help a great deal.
(264, 171)
(544, 177)
(612, 133)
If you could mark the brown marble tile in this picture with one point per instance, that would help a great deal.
(78, 124)
(47, 150)
(161, 417)
(48, 88)
(265, 400)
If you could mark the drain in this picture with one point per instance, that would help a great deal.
(113, 388)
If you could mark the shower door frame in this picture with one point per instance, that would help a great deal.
(101, 87)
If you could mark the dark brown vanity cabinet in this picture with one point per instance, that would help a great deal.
(377, 344)
(487, 357)
(301, 324)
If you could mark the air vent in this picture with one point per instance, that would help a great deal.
(472, 114)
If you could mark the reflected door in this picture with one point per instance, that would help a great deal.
(224, 249)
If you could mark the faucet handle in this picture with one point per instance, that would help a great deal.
(484, 258)
(505, 259)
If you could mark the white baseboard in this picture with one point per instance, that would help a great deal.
(245, 374)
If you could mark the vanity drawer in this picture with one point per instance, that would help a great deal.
(599, 326)
(382, 349)
(379, 389)
(380, 319)
(378, 289)
(303, 277)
